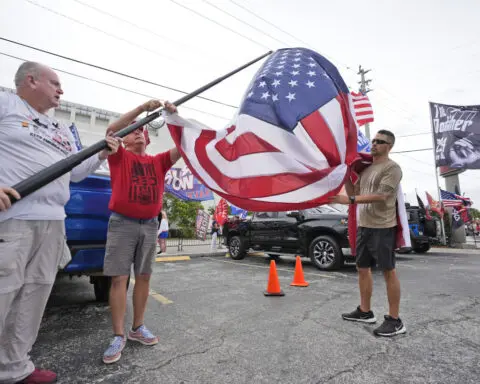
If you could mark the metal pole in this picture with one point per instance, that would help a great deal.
(54, 171)
(439, 196)
(363, 89)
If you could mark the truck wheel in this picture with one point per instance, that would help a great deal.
(236, 248)
(325, 253)
(422, 248)
(101, 287)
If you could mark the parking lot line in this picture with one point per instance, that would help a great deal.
(278, 269)
(155, 295)
(172, 258)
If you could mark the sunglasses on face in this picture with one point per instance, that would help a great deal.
(378, 141)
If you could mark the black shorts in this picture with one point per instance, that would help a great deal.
(376, 247)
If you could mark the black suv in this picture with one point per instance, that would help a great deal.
(319, 233)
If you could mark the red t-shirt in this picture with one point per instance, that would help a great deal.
(137, 183)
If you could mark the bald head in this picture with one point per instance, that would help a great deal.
(38, 85)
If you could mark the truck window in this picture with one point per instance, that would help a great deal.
(266, 215)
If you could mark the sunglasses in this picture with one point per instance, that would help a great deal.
(378, 141)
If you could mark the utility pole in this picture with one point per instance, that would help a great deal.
(364, 89)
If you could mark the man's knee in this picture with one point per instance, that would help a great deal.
(119, 282)
(389, 274)
(363, 271)
(143, 278)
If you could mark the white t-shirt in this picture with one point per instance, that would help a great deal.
(163, 226)
(30, 142)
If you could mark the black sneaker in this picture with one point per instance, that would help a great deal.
(390, 327)
(358, 315)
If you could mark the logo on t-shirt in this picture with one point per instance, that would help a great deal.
(144, 187)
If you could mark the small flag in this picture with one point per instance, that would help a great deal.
(363, 108)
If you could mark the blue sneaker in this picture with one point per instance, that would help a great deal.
(143, 335)
(114, 350)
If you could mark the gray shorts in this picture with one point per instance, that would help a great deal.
(130, 241)
(376, 246)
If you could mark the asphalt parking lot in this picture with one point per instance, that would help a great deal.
(215, 326)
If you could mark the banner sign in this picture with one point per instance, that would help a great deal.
(181, 183)
(456, 132)
(201, 226)
(363, 144)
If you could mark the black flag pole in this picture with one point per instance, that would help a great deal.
(54, 171)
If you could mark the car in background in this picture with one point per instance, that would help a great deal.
(319, 233)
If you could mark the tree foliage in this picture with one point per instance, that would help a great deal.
(182, 213)
(475, 213)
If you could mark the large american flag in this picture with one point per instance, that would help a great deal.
(291, 141)
(363, 108)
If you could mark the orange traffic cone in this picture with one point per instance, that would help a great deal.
(298, 279)
(273, 287)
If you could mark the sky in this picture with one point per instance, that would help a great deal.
(418, 51)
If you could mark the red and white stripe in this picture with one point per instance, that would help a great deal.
(363, 108)
(260, 167)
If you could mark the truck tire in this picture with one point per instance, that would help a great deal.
(421, 248)
(325, 253)
(236, 248)
(101, 287)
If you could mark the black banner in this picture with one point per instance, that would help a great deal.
(456, 131)
(457, 220)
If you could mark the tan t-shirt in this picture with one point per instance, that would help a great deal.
(379, 178)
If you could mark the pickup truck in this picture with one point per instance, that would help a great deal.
(86, 229)
(319, 233)
(423, 232)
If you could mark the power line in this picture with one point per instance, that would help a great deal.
(105, 32)
(113, 86)
(414, 150)
(244, 22)
(287, 33)
(415, 134)
(113, 71)
(143, 28)
(219, 24)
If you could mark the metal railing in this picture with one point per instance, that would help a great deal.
(180, 242)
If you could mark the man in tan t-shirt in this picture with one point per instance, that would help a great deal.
(376, 194)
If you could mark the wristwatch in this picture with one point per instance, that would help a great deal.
(352, 199)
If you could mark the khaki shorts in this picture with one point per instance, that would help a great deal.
(130, 241)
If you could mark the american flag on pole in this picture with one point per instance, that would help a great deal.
(290, 144)
(453, 200)
(363, 108)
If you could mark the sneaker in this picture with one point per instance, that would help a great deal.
(143, 335)
(114, 350)
(359, 315)
(390, 327)
(40, 376)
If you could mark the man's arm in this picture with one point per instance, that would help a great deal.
(126, 119)
(388, 187)
(174, 155)
(150, 106)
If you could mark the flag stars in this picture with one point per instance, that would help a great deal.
(250, 94)
(310, 84)
(296, 65)
(298, 54)
(295, 73)
(278, 73)
(293, 83)
(311, 65)
(297, 59)
(275, 97)
(290, 96)
(280, 66)
(276, 83)
(265, 95)
(262, 84)
(311, 73)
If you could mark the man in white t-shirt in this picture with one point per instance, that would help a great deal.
(32, 231)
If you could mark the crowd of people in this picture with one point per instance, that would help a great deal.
(32, 231)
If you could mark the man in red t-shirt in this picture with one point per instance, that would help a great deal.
(137, 191)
